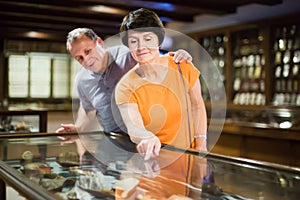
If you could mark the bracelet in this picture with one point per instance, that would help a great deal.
(200, 136)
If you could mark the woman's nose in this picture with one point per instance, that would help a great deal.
(141, 45)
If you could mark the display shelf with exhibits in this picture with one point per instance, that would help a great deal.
(23, 121)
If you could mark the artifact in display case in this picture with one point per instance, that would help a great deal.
(248, 65)
(23, 121)
(286, 63)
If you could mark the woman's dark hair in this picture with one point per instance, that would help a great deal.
(142, 20)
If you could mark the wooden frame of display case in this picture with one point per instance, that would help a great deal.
(21, 183)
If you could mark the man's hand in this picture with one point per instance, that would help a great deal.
(66, 128)
(149, 147)
(181, 55)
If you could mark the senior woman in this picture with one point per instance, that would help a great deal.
(160, 101)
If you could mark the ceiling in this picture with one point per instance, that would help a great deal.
(53, 19)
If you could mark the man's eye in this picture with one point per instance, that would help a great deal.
(87, 52)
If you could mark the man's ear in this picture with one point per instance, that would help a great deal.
(100, 41)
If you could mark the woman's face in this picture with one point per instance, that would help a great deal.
(143, 46)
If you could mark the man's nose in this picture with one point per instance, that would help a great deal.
(85, 58)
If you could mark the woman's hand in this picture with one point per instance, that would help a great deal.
(149, 147)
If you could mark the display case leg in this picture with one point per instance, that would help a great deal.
(2, 190)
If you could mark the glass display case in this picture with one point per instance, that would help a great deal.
(42, 168)
(23, 121)
(267, 117)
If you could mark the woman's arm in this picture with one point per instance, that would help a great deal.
(199, 116)
(148, 144)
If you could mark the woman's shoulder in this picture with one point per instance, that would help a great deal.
(171, 63)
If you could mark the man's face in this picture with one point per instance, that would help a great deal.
(90, 54)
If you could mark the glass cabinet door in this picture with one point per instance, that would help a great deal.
(286, 63)
(216, 48)
(248, 65)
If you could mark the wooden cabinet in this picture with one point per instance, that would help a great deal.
(285, 58)
(261, 72)
(259, 60)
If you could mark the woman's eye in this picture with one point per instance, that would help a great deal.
(148, 38)
(132, 41)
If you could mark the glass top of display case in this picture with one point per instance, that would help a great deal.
(67, 171)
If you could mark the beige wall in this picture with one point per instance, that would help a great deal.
(57, 118)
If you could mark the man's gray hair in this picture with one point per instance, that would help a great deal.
(76, 33)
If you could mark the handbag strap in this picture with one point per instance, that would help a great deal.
(186, 101)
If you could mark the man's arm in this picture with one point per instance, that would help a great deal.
(84, 119)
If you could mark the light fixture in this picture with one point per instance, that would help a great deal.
(107, 9)
(35, 34)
